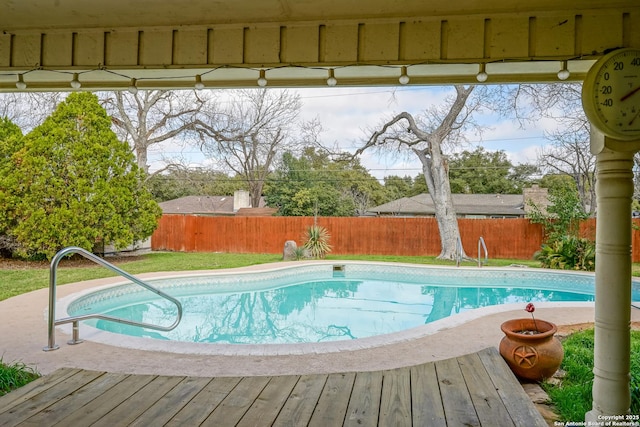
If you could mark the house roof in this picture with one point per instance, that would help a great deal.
(216, 205)
(465, 204)
(199, 204)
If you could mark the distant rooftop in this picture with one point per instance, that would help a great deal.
(210, 205)
(469, 205)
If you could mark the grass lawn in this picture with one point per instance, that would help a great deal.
(572, 398)
(19, 277)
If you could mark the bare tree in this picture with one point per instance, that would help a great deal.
(29, 109)
(147, 118)
(426, 137)
(569, 153)
(247, 134)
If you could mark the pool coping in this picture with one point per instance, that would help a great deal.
(23, 323)
(89, 333)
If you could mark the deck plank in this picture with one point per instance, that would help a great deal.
(127, 411)
(489, 407)
(35, 387)
(512, 394)
(237, 402)
(395, 402)
(268, 404)
(302, 401)
(98, 408)
(168, 405)
(364, 405)
(457, 403)
(199, 408)
(48, 397)
(426, 402)
(472, 390)
(334, 400)
(75, 400)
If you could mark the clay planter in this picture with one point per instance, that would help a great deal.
(533, 357)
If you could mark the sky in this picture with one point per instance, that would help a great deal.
(348, 114)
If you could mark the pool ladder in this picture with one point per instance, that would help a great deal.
(482, 247)
(52, 323)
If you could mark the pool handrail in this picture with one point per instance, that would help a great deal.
(52, 322)
(482, 245)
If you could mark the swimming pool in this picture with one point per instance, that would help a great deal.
(329, 301)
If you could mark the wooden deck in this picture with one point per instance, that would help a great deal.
(473, 390)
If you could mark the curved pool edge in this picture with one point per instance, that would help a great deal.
(23, 329)
(89, 333)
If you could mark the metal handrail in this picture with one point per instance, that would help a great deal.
(482, 245)
(52, 323)
(459, 251)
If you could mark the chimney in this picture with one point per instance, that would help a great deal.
(241, 200)
(537, 195)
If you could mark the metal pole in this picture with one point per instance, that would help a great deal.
(52, 300)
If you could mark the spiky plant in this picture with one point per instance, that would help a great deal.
(317, 241)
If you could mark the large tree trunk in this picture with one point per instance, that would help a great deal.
(427, 144)
(141, 156)
(436, 174)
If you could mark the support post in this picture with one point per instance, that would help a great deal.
(614, 190)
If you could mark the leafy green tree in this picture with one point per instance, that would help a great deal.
(419, 185)
(314, 184)
(558, 183)
(563, 215)
(73, 183)
(524, 175)
(291, 177)
(397, 187)
(177, 183)
(485, 172)
(356, 183)
(10, 142)
(320, 200)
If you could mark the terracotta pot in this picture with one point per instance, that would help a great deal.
(533, 357)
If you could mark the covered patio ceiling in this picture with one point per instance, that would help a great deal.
(118, 44)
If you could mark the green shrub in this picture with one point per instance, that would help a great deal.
(300, 253)
(568, 253)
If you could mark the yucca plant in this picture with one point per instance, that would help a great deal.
(317, 241)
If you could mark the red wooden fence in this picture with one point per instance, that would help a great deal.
(505, 238)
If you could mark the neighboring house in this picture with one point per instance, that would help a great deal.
(237, 205)
(468, 205)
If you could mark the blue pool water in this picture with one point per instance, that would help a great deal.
(324, 302)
